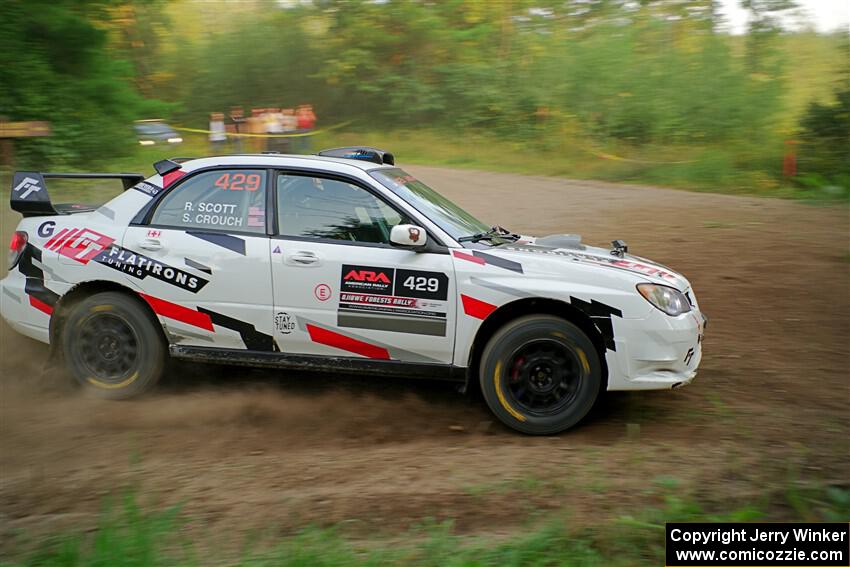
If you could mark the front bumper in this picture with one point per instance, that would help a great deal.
(657, 352)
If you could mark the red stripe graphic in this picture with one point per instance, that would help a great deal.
(72, 234)
(336, 340)
(469, 257)
(50, 242)
(69, 235)
(41, 306)
(171, 177)
(476, 308)
(178, 312)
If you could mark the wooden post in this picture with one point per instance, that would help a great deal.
(7, 153)
(11, 130)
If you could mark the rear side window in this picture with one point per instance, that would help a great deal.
(232, 200)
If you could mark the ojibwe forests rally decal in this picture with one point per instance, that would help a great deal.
(390, 299)
(84, 245)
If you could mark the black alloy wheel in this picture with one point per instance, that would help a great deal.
(540, 374)
(113, 345)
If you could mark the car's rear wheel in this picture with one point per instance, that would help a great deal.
(112, 346)
(540, 374)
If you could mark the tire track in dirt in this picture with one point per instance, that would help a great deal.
(267, 450)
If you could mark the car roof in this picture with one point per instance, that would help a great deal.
(281, 160)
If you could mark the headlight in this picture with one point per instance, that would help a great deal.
(147, 142)
(175, 140)
(669, 300)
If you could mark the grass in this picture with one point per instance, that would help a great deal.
(711, 169)
(686, 167)
(130, 536)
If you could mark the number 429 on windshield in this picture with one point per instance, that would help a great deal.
(238, 182)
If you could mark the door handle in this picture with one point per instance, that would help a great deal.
(303, 258)
(152, 244)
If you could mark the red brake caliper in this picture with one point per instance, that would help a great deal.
(515, 370)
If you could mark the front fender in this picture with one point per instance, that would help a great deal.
(602, 296)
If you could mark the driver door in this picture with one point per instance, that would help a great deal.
(341, 289)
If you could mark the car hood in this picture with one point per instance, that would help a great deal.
(564, 249)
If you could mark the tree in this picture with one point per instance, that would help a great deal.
(55, 65)
(825, 131)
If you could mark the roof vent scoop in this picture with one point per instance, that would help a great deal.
(570, 241)
(359, 152)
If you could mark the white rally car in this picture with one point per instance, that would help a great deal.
(339, 261)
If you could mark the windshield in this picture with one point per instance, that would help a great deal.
(442, 212)
(153, 129)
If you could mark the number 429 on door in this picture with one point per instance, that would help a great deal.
(421, 283)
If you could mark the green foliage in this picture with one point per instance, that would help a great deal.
(55, 66)
(653, 82)
(129, 536)
(826, 137)
(497, 66)
(126, 535)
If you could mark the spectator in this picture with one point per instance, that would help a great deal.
(306, 122)
(218, 137)
(237, 117)
(290, 123)
(255, 125)
(274, 126)
(306, 117)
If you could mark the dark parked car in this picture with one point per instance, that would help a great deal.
(152, 132)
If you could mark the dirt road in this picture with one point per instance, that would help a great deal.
(252, 450)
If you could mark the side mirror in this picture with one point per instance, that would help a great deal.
(408, 235)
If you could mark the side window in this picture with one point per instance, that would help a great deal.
(316, 207)
(226, 200)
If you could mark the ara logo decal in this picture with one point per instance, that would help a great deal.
(276, 250)
(367, 276)
(79, 244)
(367, 279)
(26, 187)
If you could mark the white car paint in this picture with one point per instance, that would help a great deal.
(289, 295)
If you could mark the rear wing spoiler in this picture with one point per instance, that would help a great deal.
(29, 193)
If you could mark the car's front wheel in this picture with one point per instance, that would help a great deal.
(540, 374)
(112, 345)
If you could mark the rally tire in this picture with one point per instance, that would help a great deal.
(540, 374)
(112, 345)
